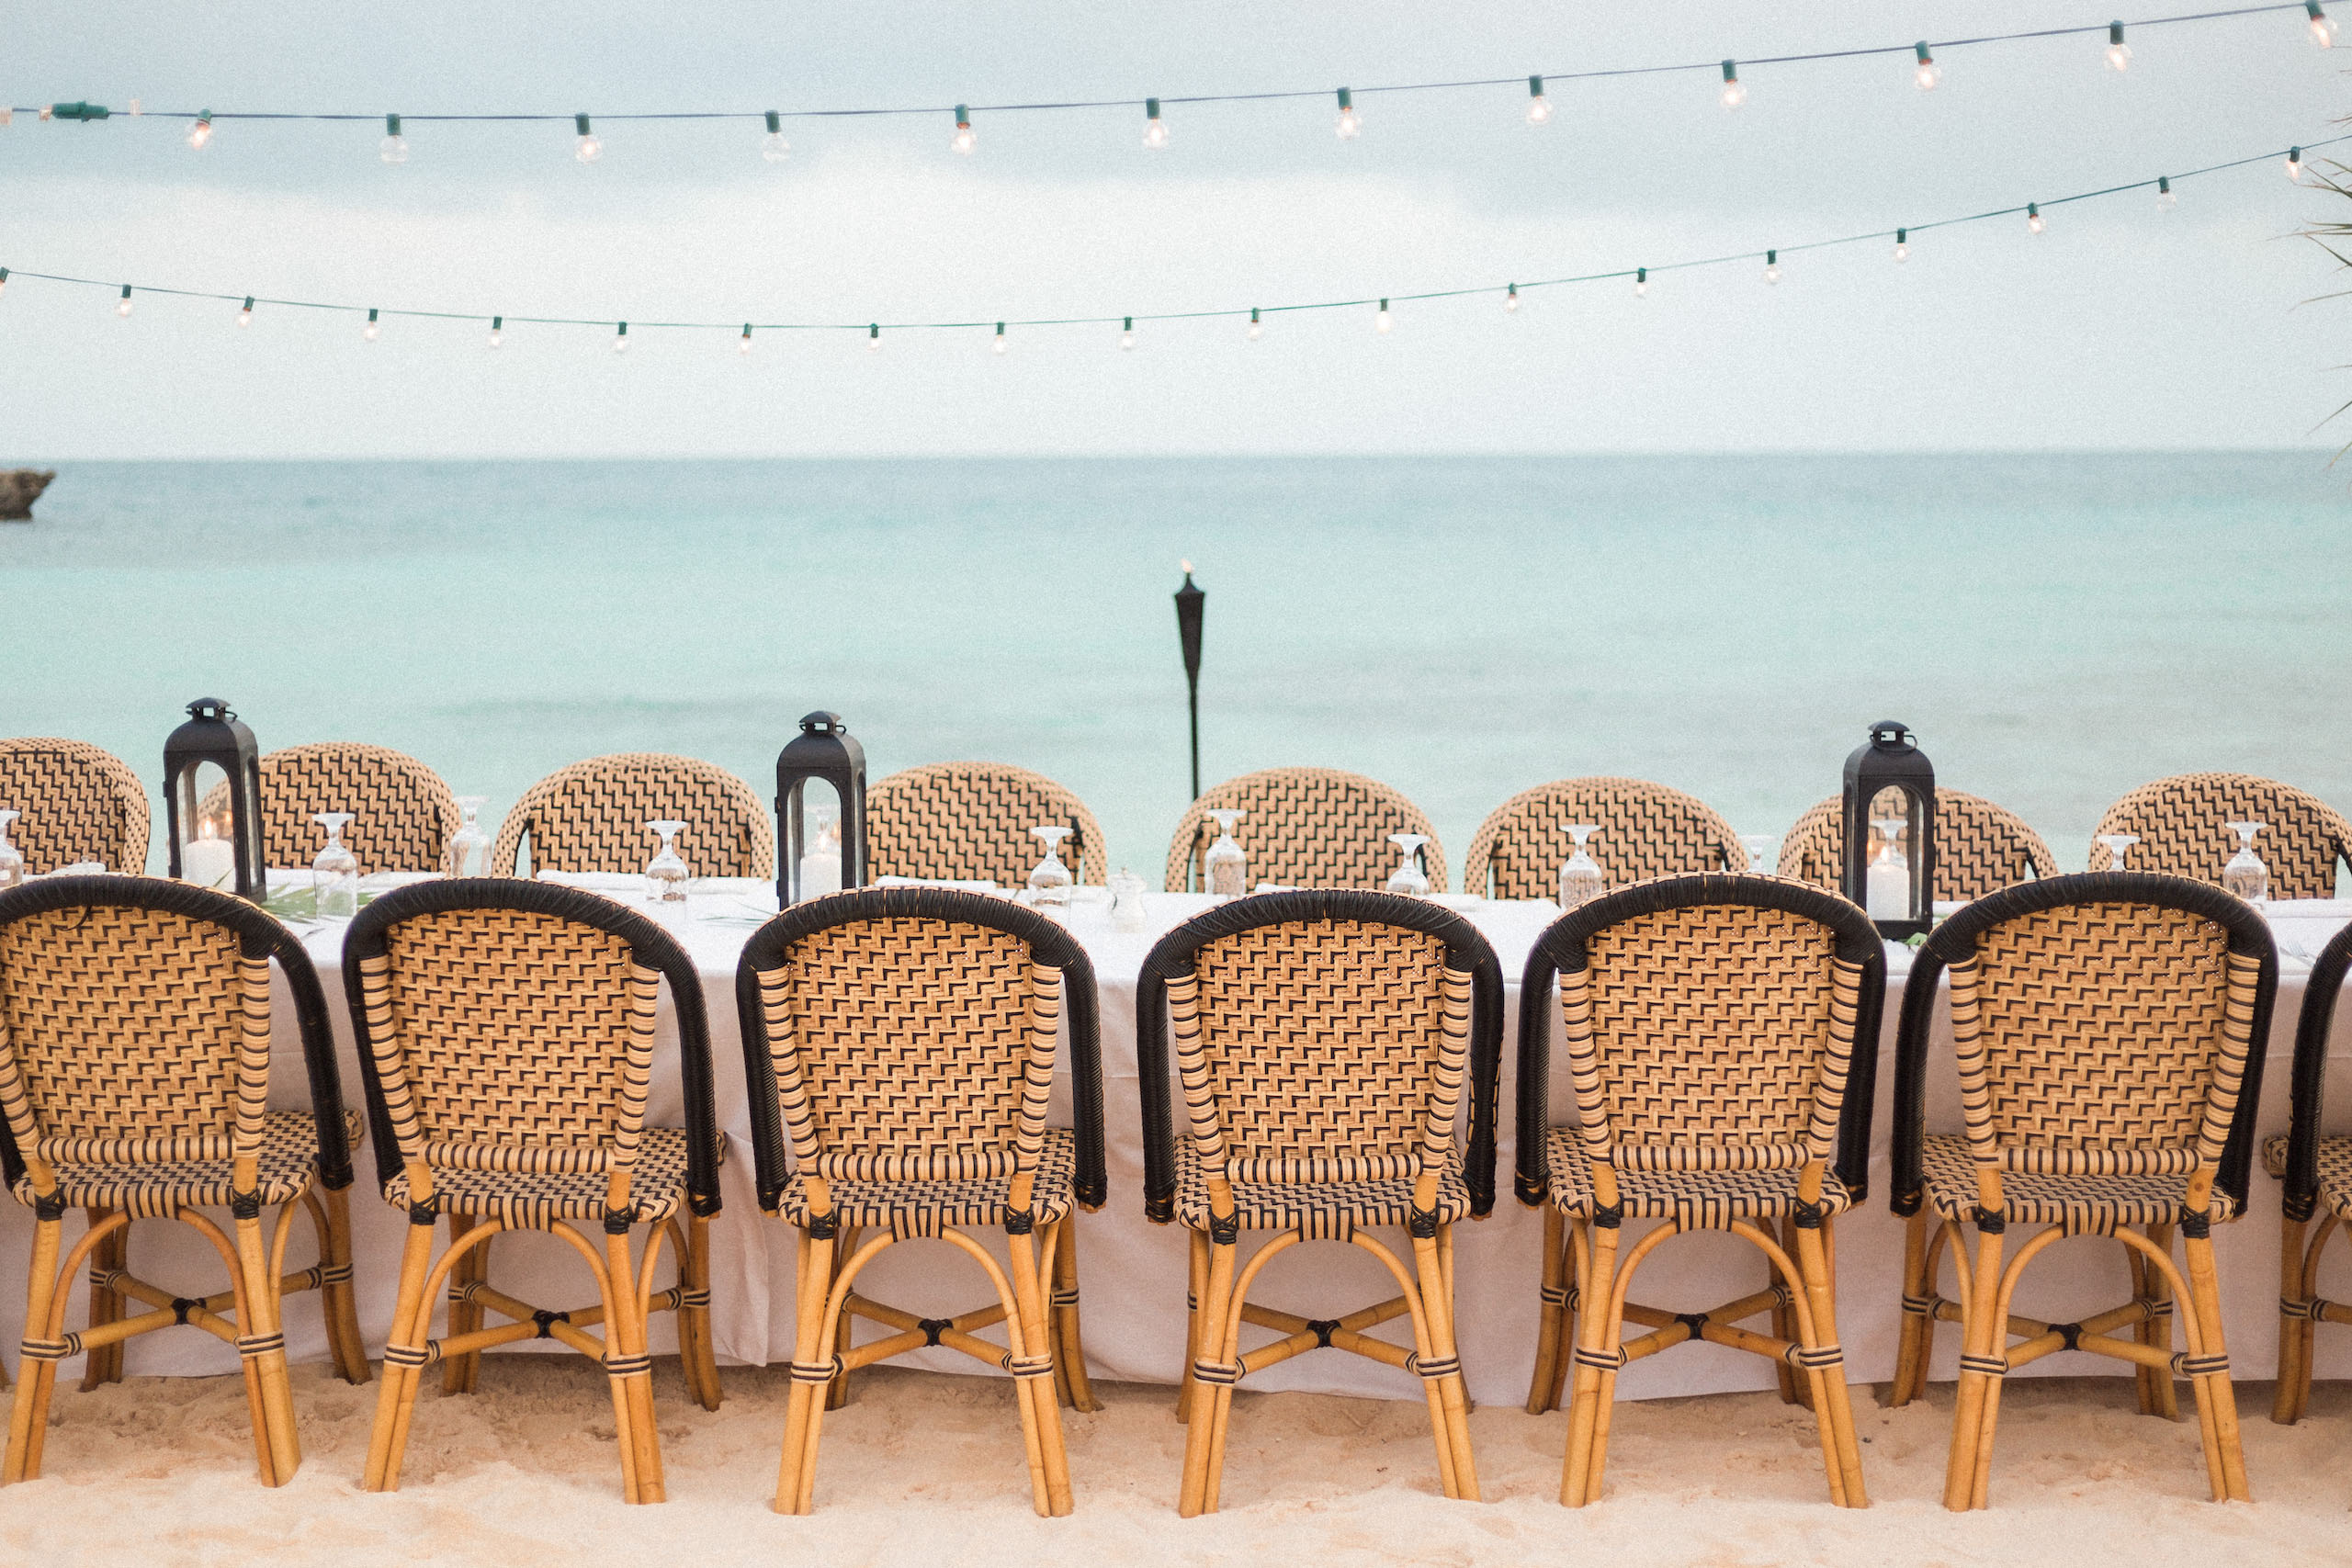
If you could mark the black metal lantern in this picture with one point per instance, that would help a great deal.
(214, 831)
(1890, 831)
(823, 751)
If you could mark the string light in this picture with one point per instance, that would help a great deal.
(246, 316)
(1929, 72)
(2295, 165)
(122, 306)
(1155, 129)
(371, 332)
(1902, 244)
(588, 149)
(2119, 53)
(873, 338)
(4, 280)
(2322, 25)
(2034, 218)
(497, 331)
(1641, 282)
(1772, 266)
(1127, 332)
(964, 140)
(743, 344)
(2165, 200)
(773, 146)
(1256, 330)
(1382, 321)
(1734, 93)
(997, 346)
(1350, 126)
(135, 111)
(1539, 108)
(199, 134)
(393, 149)
(1510, 300)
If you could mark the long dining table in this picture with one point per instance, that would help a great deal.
(1133, 1272)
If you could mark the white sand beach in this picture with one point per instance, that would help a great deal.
(926, 1468)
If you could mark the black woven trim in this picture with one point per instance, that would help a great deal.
(704, 1205)
(2196, 1223)
(2300, 1194)
(1808, 1216)
(1608, 1216)
(1159, 1211)
(51, 1207)
(1421, 1224)
(425, 1212)
(1530, 1178)
(245, 1205)
(1991, 1222)
(2298, 1206)
(932, 1327)
(1020, 1222)
(1225, 1230)
(822, 1227)
(1696, 1322)
(182, 1306)
(1323, 1328)
(545, 1321)
(1904, 1204)
(2069, 1334)
(619, 1222)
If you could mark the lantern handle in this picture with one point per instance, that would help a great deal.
(209, 708)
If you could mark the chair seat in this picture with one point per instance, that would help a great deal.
(530, 1200)
(2042, 1200)
(2334, 1169)
(1324, 1209)
(1694, 1199)
(289, 1157)
(926, 1208)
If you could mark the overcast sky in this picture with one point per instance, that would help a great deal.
(2121, 327)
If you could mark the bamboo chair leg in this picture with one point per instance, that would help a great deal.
(1196, 1281)
(28, 1412)
(1833, 1401)
(694, 1312)
(1069, 1348)
(2205, 1300)
(1579, 1291)
(1551, 1313)
(260, 1324)
(1594, 1338)
(460, 1374)
(2143, 1377)
(411, 1316)
(1983, 1336)
(2163, 1396)
(2286, 1405)
(814, 1278)
(1210, 1401)
(1451, 1401)
(2307, 1287)
(632, 1387)
(1918, 1342)
(337, 1299)
(1794, 1389)
(104, 1364)
(1030, 1332)
(837, 1392)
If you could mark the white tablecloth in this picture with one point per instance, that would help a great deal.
(1133, 1271)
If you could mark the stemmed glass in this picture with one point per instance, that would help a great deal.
(1887, 894)
(2245, 875)
(1050, 882)
(334, 876)
(469, 853)
(1580, 877)
(11, 864)
(665, 873)
(1759, 852)
(1225, 868)
(1409, 879)
(2117, 843)
(1126, 901)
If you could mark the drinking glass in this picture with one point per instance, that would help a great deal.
(2116, 844)
(1409, 879)
(469, 852)
(1887, 893)
(665, 873)
(11, 864)
(1580, 877)
(1126, 901)
(2245, 875)
(334, 876)
(1759, 852)
(1225, 868)
(1050, 882)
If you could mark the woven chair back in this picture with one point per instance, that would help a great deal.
(2104, 1024)
(590, 817)
(135, 1023)
(1307, 827)
(970, 821)
(1323, 1037)
(1979, 847)
(909, 1034)
(1710, 1022)
(78, 804)
(1646, 830)
(2181, 824)
(402, 814)
(510, 1026)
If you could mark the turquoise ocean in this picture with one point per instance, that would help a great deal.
(2056, 628)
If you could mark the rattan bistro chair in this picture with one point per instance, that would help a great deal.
(1646, 830)
(1979, 847)
(2181, 823)
(590, 817)
(2317, 1170)
(134, 1082)
(402, 814)
(1322, 1040)
(78, 804)
(1722, 1036)
(2109, 1031)
(506, 1030)
(970, 821)
(1307, 827)
(898, 1043)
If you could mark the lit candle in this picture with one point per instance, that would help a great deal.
(820, 872)
(208, 861)
(1889, 894)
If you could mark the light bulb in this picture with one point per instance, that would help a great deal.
(2034, 218)
(963, 141)
(1539, 108)
(4, 280)
(2322, 25)
(2295, 165)
(201, 132)
(620, 339)
(2166, 199)
(497, 331)
(743, 344)
(588, 149)
(1735, 93)
(1930, 72)
(874, 339)
(246, 316)
(1155, 129)
(2119, 53)
(1902, 244)
(998, 345)
(1257, 328)
(773, 146)
(1127, 332)
(1382, 322)
(1510, 300)
(1350, 126)
(369, 332)
(394, 147)
(122, 306)
(1641, 282)
(1772, 266)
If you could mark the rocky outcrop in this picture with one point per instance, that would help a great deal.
(19, 488)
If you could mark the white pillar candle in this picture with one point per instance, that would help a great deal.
(1889, 894)
(209, 863)
(820, 872)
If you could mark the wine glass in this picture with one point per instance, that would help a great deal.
(11, 864)
(1887, 893)
(469, 852)
(1225, 868)
(1050, 882)
(2245, 875)
(2117, 843)
(1759, 852)
(334, 876)
(665, 873)
(1409, 879)
(1126, 901)
(1581, 877)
